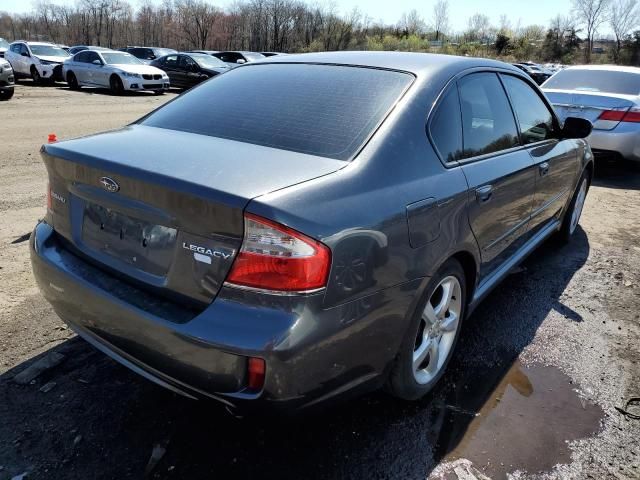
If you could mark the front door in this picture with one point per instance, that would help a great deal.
(556, 161)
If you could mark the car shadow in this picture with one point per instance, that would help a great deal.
(617, 173)
(106, 91)
(101, 421)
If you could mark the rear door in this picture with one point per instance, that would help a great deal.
(500, 174)
(556, 161)
(171, 66)
(80, 67)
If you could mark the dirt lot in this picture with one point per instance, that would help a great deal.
(532, 393)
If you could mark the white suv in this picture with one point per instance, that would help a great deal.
(37, 60)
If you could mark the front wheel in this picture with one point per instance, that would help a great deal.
(35, 75)
(572, 216)
(115, 83)
(73, 81)
(432, 337)
(6, 94)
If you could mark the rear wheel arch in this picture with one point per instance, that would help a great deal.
(470, 267)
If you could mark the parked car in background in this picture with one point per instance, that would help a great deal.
(249, 242)
(4, 46)
(236, 58)
(606, 95)
(118, 71)
(7, 80)
(186, 70)
(39, 61)
(206, 52)
(79, 48)
(147, 54)
(534, 71)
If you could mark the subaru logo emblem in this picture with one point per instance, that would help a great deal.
(109, 184)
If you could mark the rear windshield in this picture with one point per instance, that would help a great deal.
(625, 83)
(322, 110)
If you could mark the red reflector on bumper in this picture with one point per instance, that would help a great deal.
(256, 370)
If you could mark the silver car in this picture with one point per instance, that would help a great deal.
(608, 96)
(118, 71)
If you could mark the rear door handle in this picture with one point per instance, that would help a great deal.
(543, 168)
(483, 194)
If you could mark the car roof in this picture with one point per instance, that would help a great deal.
(420, 64)
(609, 68)
(36, 43)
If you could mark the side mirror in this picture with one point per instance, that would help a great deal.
(25, 54)
(575, 127)
(240, 61)
(97, 62)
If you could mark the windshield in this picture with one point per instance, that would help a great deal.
(4, 43)
(324, 110)
(625, 83)
(207, 61)
(48, 51)
(120, 58)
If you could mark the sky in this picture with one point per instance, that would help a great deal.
(389, 11)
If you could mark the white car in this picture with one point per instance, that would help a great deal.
(37, 60)
(118, 71)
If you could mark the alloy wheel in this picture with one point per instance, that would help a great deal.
(437, 331)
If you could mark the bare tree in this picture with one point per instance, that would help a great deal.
(411, 23)
(592, 14)
(623, 17)
(479, 27)
(441, 18)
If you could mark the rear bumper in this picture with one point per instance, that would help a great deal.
(624, 140)
(312, 355)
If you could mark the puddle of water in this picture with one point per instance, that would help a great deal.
(520, 421)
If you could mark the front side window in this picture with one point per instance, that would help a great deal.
(92, 56)
(446, 127)
(488, 125)
(534, 118)
(324, 110)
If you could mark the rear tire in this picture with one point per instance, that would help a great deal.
(117, 88)
(6, 94)
(73, 81)
(432, 336)
(571, 218)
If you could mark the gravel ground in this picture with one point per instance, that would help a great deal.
(532, 393)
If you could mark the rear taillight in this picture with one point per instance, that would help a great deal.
(631, 115)
(277, 258)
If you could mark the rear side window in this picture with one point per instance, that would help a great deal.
(488, 125)
(446, 127)
(534, 118)
(323, 110)
(625, 83)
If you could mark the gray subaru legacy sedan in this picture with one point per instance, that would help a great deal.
(307, 227)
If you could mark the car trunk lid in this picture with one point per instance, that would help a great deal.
(165, 208)
(589, 105)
